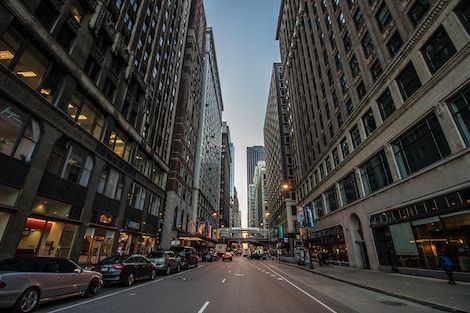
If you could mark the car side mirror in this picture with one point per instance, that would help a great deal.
(78, 270)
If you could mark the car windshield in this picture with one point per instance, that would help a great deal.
(114, 259)
(156, 255)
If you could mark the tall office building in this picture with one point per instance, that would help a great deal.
(253, 156)
(179, 210)
(280, 194)
(232, 169)
(206, 193)
(224, 207)
(260, 203)
(252, 217)
(87, 108)
(235, 213)
(378, 100)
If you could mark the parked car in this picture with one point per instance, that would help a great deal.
(26, 282)
(187, 255)
(126, 269)
(246, 254)
(257, 256)
(227, 256)
(165, 261)
(209, 256)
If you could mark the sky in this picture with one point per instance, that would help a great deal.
(246, 48)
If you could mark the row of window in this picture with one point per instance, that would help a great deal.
(437, 50)
(420, 146)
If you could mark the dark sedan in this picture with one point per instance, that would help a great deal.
(125, 269)
(187, 256)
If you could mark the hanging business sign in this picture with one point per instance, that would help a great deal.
(280, 232)
(300, 216)
(309, 216)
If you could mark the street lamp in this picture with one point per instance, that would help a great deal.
(286, 186)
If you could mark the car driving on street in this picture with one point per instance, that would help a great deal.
(165, 261)
(187, 255)
(227, 256)
(26, 282)
(126, 269)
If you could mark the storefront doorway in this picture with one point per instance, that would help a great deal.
(46, 238)
(97, 245)
(357, 235)
(129, 243)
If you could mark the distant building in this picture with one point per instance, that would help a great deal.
(252, 211)
(235, 212)
(253, 155)
(224, 207)
(260, 201)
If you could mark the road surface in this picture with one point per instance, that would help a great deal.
(239, 286)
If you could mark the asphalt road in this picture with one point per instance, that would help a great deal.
(238, 286)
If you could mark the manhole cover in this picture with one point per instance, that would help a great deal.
(393, 303)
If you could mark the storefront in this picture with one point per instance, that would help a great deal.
(129, 242)
(47, 238)
(148, 244)
(330, 241)
(97, 245)
(413, 236)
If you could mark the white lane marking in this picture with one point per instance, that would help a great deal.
(279, 278)
(132, 294)
(301, 290)
(239, 274)
(203, 307)
(223, 280)
(230, 272)
(122, 291)
(272, 275)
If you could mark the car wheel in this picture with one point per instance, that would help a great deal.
(178, 268)
(28, 301)
(130, 279)
(153, 274)
(93, 288)
(168, 270)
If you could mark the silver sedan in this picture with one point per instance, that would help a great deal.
(26, 282)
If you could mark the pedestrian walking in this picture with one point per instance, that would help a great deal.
(447, 264)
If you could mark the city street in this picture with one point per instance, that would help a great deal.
(239, 286)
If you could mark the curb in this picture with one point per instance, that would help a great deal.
(388, 293)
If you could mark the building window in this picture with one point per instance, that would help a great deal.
(361, 90)
(319, 207)
(375, 173)
(438, 50)
(331, 199)
(85, 114)
(19, 132)
(354, 66)
(408, 81)
(337, 61)
(155, 205)
(420, 146)
(355, 136)
(386, 105)
(358, 20)
(347, 42)
(348, 189)
(460, 108)
(376, 70)
(341, 21)
(51, 207)
(70, 162)
(367, 44)
(369, 122)
(335, 157)
(463, 12)
(349, 107)
(111, 183)
(46, 13)
(394, 44)
(344, 147)
(344, 84)
(8, 197)
(418, 10)
(120, 143)
(383, 17)
(136, 196)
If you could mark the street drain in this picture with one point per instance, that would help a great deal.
(393, 303)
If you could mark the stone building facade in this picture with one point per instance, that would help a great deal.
(378, 95)
(88, 92)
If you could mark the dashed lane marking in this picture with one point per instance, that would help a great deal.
(203, 307)
(223, 280)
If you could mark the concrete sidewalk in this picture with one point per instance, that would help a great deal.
(432, 292)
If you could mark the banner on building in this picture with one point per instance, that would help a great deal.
(280, 232)
(300, 216)
(309, 216)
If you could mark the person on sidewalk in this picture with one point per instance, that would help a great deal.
(447, 264)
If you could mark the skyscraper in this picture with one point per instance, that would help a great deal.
(261, 208)
(179, 214)
(377, 92)
(253, 155)
(86, 125)
(206, 194)
(280, 194)
(224, 208)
